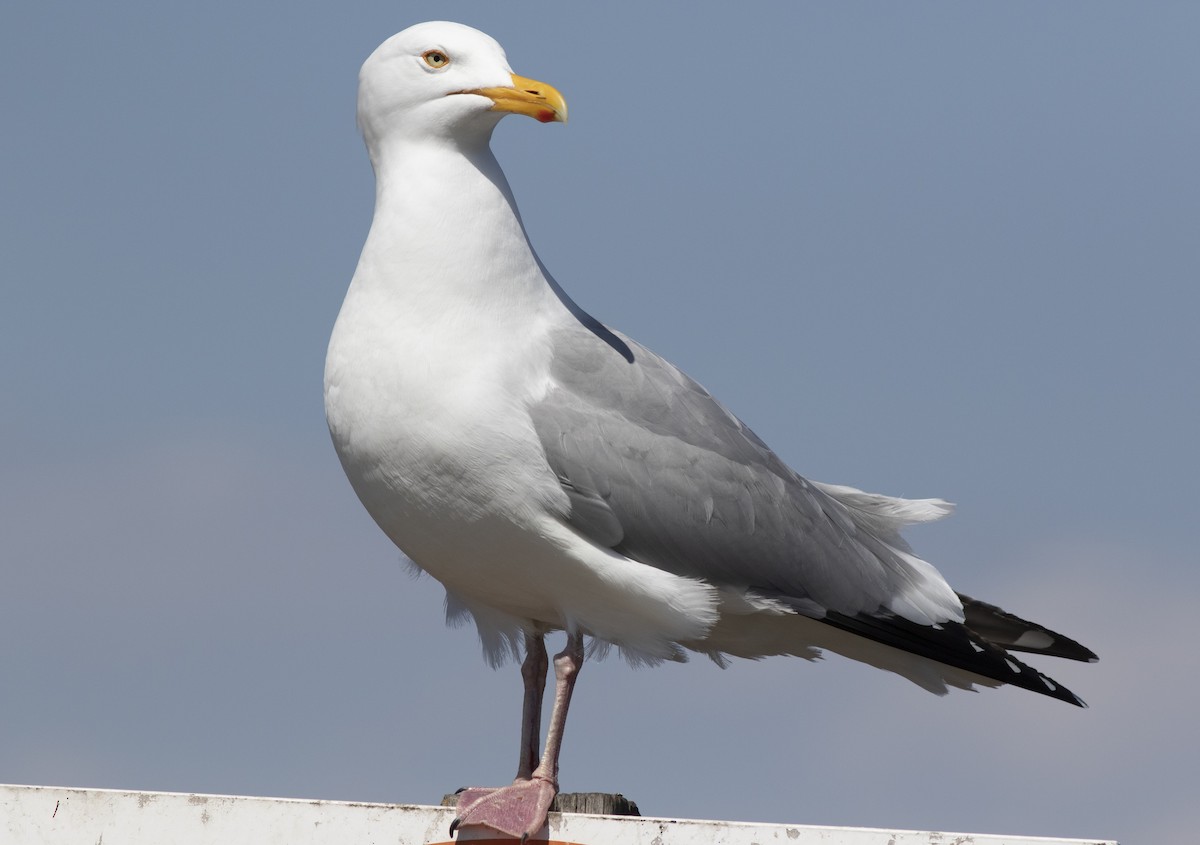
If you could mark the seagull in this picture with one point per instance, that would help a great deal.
(556, 475)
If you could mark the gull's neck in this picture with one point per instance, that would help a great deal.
(447, 235)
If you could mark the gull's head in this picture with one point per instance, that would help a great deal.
(441, 79)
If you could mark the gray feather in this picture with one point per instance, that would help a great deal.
(658, 469)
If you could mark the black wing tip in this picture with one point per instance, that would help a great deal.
(954, 644)
(1050, 686)
(1031, 679)
(1063, 647)
(1005, 630)
(1066, 648)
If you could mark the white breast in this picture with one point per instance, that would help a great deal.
(441, 347)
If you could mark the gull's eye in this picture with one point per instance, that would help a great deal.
(435, 58)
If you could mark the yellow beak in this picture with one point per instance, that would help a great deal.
(528, 97)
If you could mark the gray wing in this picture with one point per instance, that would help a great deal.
(659, 470)
(656, 469)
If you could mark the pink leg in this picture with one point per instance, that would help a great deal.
(533, 673)
(520, 809)
(567, 664)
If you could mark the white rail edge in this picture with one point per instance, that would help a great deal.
(50, 815)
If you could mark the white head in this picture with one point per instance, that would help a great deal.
(446, 80)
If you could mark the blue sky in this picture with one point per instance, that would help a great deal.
(929, 249)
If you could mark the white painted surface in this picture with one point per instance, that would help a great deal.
(44, 815)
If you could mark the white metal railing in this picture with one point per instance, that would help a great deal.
(46, 815)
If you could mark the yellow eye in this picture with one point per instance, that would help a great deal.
(435, 58)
